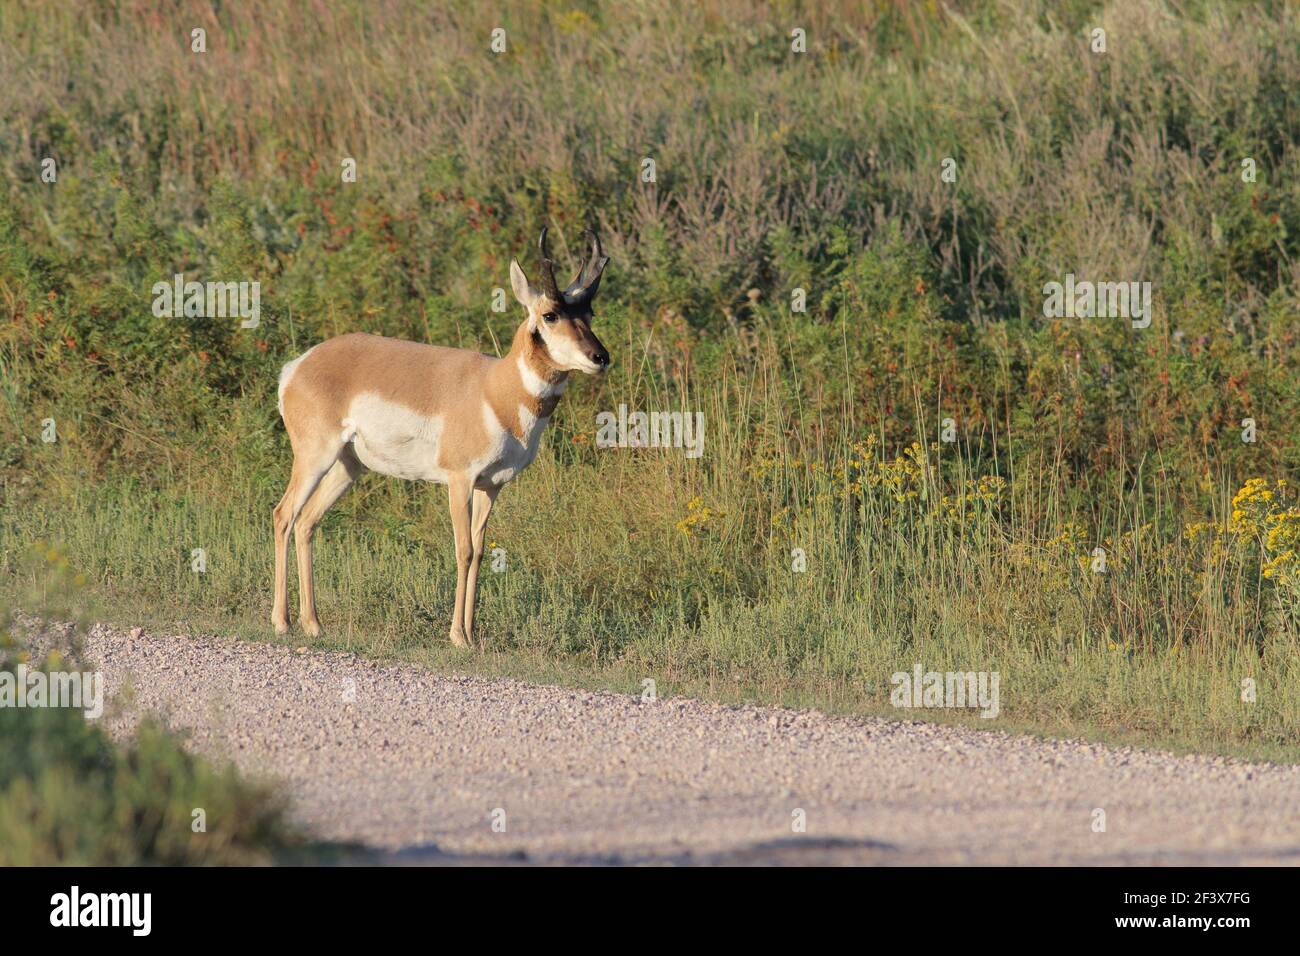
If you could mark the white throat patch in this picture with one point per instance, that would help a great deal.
(534, 384)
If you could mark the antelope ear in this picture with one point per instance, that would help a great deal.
(519, 284)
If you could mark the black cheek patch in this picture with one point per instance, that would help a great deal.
(539, 341)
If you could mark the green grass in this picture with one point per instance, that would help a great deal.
(1154, 650)
(71, 795)
(775, 172)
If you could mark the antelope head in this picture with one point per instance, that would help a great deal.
(559, 322)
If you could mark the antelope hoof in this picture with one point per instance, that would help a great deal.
(458, 637)
(311, 628)
(281, 625)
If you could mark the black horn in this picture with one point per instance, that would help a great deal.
(587, 281)
(549, 286)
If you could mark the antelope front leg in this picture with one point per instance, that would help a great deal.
(460, 501)
(483, 501)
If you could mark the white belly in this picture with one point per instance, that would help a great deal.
(394, 440)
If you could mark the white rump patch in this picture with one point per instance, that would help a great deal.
(286, 374)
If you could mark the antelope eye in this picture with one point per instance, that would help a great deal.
(550, 317)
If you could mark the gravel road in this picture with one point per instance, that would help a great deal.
(416, 764)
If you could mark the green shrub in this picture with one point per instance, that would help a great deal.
(71, 795)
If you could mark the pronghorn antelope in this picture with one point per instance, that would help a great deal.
(464, 419)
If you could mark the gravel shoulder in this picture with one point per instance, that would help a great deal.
(420, 765)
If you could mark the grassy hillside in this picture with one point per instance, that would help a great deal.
(1170, 158)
